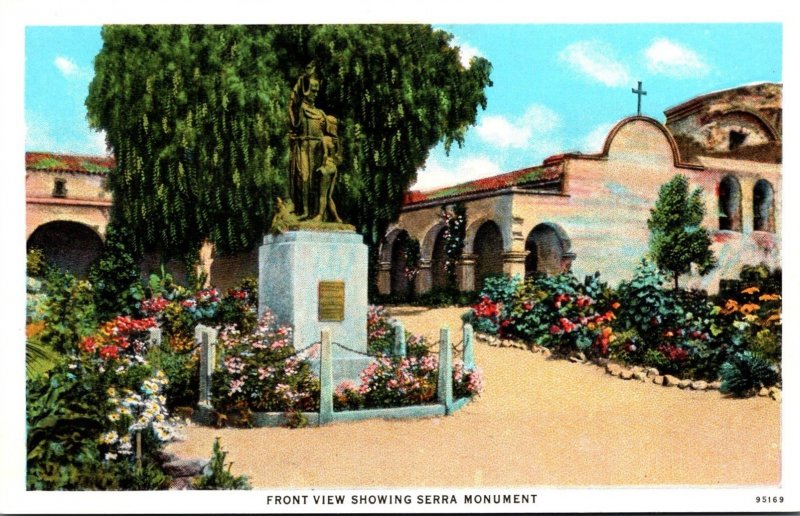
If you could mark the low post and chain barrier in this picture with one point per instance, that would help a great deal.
(207, 338)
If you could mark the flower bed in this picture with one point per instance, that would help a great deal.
(683, 334)
(264, 381)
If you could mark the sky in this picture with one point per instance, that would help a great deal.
(557, 88)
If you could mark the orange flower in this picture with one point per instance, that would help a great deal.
(730, 306)
(748, 308)
(750, 290)
(769, 297)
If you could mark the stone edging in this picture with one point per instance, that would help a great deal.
(640, 373)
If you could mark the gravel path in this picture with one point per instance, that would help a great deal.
(539, 422)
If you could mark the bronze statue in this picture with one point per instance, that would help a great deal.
(314, 152)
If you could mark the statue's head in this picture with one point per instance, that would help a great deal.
(311, 88)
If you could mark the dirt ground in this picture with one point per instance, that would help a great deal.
(539, 422)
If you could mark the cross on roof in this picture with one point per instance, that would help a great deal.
(639, 92)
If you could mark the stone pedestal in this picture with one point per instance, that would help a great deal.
(314, 281)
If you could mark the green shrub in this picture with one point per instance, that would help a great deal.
(69, 311)
(115, 276)
(182, 368)
(261, 371)
(36, 263)
(380, 331)
(218, 476)
(746, 372)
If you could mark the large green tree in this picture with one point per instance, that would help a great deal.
(677, 239)
(197, 119)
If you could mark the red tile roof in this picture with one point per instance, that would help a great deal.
(68, 163)
(530, 176)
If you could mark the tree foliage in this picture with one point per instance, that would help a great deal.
(677, 239)
(197, 119)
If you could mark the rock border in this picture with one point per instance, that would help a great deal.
(637, 373)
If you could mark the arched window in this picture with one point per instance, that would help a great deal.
(763, 206)
(730, 204)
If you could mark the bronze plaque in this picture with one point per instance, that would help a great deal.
(331, 300)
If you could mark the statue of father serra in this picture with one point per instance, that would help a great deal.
(315, 152)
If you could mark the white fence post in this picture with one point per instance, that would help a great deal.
(325, 378)
(445, 384)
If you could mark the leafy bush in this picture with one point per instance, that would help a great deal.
(36, 263)
(380, 331)
(218, 476)
(182, 368)
(84, 416)
(262, 372)
(445, 296)
(746, 372)
(558, 312)
(69, 311)
(115, 276)
(239, 307)
(404, 381)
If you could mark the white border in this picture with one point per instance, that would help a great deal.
(16, 14)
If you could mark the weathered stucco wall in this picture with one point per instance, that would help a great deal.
(607, 203)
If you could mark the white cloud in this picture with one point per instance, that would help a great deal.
(594, 141)
(436, 174)
(66, 66)
(668, 58)
(528, 130)
(596, 60)
(466, 51)
(96, 143)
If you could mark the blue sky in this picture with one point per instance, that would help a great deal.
(556, 87)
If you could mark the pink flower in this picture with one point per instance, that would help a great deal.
(236, 386)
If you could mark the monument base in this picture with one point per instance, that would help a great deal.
(315, 280)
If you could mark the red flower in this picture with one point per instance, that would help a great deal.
(88, 345)
(555, 330)
(527, 306)
(109, 352)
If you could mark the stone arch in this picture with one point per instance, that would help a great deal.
(429, 240)
(487, 245)
(549, 250)
(472, 232)
(729, 196)
(439, 261)
(68, 245)
(763, 206)
(399, 283)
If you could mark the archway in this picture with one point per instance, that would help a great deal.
(488, 249)
(548, 249)
(763, 206)
(730, 204)
(439, 261)
(400, 286)
(70, 246)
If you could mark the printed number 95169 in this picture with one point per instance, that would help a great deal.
(769, 499)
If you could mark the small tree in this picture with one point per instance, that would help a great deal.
(676, 238)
